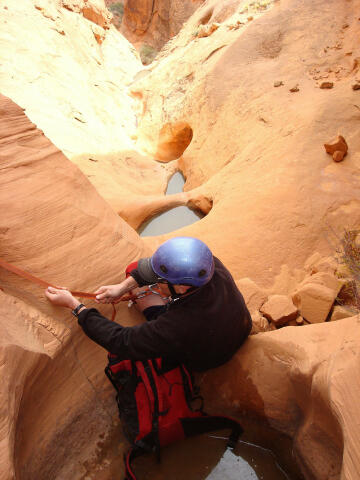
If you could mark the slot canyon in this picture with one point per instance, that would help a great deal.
(238, 96)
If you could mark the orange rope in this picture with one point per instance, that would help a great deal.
(22, 273)
(43, 283)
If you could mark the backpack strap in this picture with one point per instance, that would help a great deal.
(128, 458)
(115, 366)
(209, 423)
(148, 374)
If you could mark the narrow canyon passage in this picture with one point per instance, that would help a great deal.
(257, 104)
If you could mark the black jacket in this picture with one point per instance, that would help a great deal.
(202, 330)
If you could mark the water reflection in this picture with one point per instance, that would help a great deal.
(173, 219)
(248, 462)
(232, 466)
(205, 458)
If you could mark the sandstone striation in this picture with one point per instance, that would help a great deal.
(55, 225)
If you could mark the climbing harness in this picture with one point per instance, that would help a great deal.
(150, 290)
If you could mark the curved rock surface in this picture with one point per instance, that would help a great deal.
(154, 22)
(256, 165)
(67, 82)
(77, 91)
(55, 225)
(299, 380)
(257, 151)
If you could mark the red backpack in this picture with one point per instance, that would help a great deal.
(155, 406)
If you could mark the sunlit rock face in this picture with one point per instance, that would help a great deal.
(154, 22)
(173, 141)
(245, 81)
(67, 65)
(257, 150)
(76, 89)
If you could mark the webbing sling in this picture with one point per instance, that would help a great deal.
(43, 283)
(28, 276)
(39, 281)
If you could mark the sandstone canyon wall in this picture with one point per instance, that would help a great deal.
(71, 70)
(154, 22)
(255, 164)
(68, 66)
(257, 150)
(54, 224)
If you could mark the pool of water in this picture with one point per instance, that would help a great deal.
(206, 458)
(172, 219)
(260, 454)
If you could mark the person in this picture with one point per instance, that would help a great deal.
(199, 319)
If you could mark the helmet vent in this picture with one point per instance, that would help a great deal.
(163, 269)
(202, 273)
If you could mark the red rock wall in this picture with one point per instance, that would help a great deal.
(301, 381)
(154, 22)
(55, 225)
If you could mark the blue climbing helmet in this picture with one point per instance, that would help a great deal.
(184, 261)
(179, 261)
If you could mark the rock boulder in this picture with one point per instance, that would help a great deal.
(299, 380)
(279, 309)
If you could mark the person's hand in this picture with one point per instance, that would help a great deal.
(109, 294)
(114, 293)
(61, 297)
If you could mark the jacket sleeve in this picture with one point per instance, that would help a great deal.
(140, 342)
(138, 278)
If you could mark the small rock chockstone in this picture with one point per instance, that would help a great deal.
(294, 89)
(326, 85)
(315, 296)
(279, 309)
(337, 148)
(338, 156)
